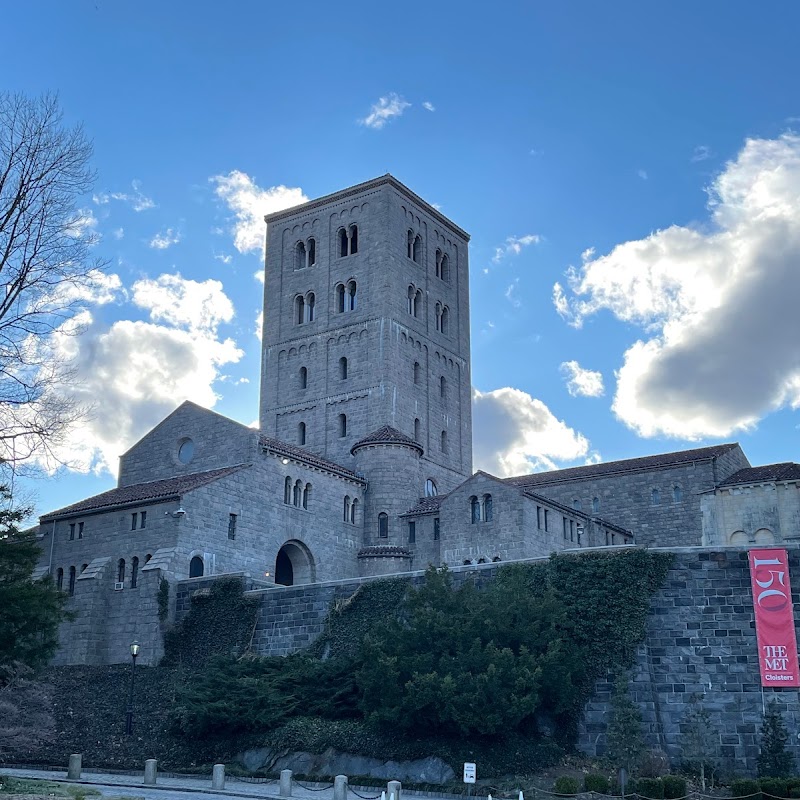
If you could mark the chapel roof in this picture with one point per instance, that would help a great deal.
(626, 465)
(387, 435)
(426, 505)
(302, 455)
(785, 471)
(160, 491)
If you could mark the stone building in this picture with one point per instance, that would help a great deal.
(362, 465)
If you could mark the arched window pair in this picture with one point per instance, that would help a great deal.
(348, 241)
(305, 254)
(346, 297)
(414, 301)
(301, 433)
(442, 318)
(350, 509)
(480, 509)
(342, 425)
(442, 266)
(414, 246)
(297, 493)
(304, 307)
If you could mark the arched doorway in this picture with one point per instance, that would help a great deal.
(294, 565)
(196, 567)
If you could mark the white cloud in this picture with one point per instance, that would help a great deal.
(642, 174)
(161, 241)
(118, 233)
(387, 107)
(136, 199)
(259, 324)
(582, 382)
(184, 303)
(511, 293)
(225, 259)
(719, 304)
(84, 226)
(701, 153)
(249, 203)
(516, 433)
(514, 245)
(259, 275)
(428, 106)
(134, 373)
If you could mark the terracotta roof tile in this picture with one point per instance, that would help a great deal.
(426, 505)
(787, 471)
(305, 457)
(141, 492)
(387, 435)
(626, 465)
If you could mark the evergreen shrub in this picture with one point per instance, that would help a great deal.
(674, 787)
(774, 787)
(596, 782)
(651, 788)
(566, 785)
(745, 787)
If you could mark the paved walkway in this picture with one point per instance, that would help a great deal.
(175, 788)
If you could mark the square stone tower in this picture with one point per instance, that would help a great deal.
(366, 324)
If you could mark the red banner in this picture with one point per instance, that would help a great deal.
(772, 601)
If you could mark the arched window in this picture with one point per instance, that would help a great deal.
(300, 256)
(595, 504)
(353, 510)
(353, 238)
(430, 488)
(303, 378)
(442, 266)
(121, 570)
(60, 578)
(738, 538)
(343, 368)
(196, 567)
(655, 497)
(134, 572)
(481, 560)
(438, 313)
(339, 298)
(310, 303)
(299, 310)
(148, 557)
(576, 504)
(306, 496)
(346, 514)
(444, 442)
(445, 320)
(72, 580)
(416, 252)
(418, 303)
(343, 245)
(677, 494)
(298, 493)
(764, 536)
(342, 425)
(383, 525)
(467, 562)
(487, 508)
(410, 243)
(417, 432)
(416, 372)
(443, 386)
(474, 510)
(352, 299)
(287, 491)
(83, 568)
(301, 433)
(311, 249)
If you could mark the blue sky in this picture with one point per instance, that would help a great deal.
(648, 147)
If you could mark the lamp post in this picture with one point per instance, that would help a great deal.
(129, 712)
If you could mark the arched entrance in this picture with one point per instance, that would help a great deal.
(294, 564)
(196, 567)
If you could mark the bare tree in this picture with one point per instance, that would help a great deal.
(45, 263)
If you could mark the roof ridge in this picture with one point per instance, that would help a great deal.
(312, 459)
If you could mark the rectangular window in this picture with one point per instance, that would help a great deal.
(546, 520)
(71, 531)
(142, 519)
(232, 526)
(539, 517)
(80, 530)
(564, 522)
(134, 518)
(572, 530)
(412, 532)
(436, 529)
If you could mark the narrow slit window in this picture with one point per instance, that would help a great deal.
(134, 572)
(343, 368)
(142, 519)
(383, 525)
(412, 532)
(342, 425)
(303, 378)
(231, 526)
(134, 520)
(306, 496)
(301, 433)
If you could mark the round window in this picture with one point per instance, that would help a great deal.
(185, 450)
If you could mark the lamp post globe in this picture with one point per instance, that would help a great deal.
(129, 713)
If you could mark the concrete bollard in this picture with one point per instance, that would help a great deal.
(75, 765)
(150, 771)
(340, 787)
(286, 783)
(394, 787)
(218, 776)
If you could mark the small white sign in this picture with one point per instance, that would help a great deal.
(469, 773)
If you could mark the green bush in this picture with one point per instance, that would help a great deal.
(596, 782)
(674, 787)
(652, 788)
(566, 785)
(774, 787)
(745, 787)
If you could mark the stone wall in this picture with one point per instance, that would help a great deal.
(700, 640)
